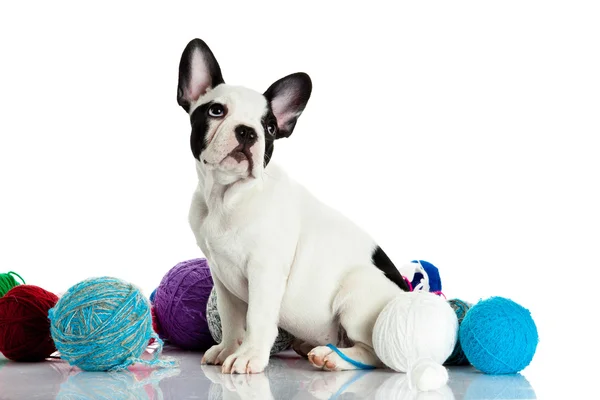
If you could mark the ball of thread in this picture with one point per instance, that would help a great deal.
(153, 296)
(458, 356)
(103, 324)
(283, 341)
(24, 325)
(498, 336)
(155, 324)
(415, 333)
(433, 273)
(180, 305)
(8, 281)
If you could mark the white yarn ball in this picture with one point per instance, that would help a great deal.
(415, 333)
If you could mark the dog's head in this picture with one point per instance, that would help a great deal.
(234, 128)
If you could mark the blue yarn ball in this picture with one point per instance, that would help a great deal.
(435, 282)
(153, 296)
(103, 324)
(498, 336)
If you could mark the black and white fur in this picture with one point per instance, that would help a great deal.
(278, 256)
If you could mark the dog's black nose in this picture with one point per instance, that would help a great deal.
(245, 135)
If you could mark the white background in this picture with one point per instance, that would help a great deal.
(462, 133)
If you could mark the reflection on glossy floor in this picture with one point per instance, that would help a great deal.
(287, 377)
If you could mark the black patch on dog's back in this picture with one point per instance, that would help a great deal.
(383, 262)
(199, 121)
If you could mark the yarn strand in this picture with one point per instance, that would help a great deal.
(8, 281)
(344, 357)
(155, 361)
(17, 275)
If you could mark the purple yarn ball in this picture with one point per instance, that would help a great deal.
(180, 305)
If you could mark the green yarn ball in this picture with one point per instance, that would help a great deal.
(458, 356)
(8, 281)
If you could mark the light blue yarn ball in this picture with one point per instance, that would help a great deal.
(498, 336)
(102, 324)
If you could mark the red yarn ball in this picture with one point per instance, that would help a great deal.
(24, 324)
(155, 322)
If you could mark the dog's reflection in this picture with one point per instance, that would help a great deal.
(295, 380)
(136, 383)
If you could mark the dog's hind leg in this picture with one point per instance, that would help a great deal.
(363, 293)
(326, 358)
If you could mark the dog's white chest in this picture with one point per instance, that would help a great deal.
(222, 245)
(227, 264)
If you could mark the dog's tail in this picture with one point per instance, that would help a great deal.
(415, 333)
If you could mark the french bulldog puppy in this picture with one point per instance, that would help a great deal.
(278, 256)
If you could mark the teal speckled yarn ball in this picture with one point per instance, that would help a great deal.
(458, 356)
(103, 324)
(498, 336)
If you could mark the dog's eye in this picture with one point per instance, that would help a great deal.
(216, 110)
(271, 128)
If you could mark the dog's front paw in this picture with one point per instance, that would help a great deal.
(217, 354)
(246, 361)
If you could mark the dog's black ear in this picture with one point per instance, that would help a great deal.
(288, 97)
(199, 71)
